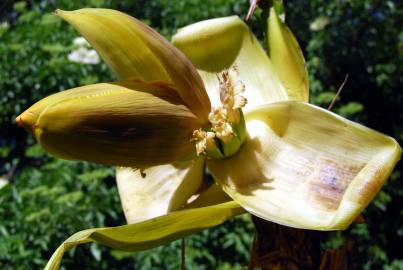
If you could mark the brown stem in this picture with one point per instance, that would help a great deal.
(279, 247)
(338, 93)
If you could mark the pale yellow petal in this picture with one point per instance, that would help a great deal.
(287, 58)
(210, 196)
(217, 44)
(161, 190)
(132, 49)
(151, 233)
(123, 124)
(305, 167)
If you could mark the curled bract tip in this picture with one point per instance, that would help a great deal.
(133, 49)
(305, 167)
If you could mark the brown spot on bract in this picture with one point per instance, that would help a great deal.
(331, 179)
(371, 186)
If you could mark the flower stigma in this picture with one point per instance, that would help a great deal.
(227, 131)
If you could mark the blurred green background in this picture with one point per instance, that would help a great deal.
(43, 200)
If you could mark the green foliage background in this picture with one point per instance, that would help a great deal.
(48, 199)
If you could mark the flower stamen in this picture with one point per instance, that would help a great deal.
(231, 89)
(226, 121)
(204, 141)
(220, 125)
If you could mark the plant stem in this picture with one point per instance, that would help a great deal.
(283, 248)
(182, 263)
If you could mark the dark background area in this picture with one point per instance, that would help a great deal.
(46, 199)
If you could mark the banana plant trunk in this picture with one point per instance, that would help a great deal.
(278, 247)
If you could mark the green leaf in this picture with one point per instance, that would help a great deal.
(351, 108)
(49, 20)
(54, 48)
(4, 26)
(279, 9)
(150, 233)
(34, 151)
(20, 6)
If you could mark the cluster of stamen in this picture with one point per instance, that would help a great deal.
(227, 114)
(203, 140)
(231, 89)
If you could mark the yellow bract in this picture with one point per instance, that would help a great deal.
(150, 233)
(125, 124)
(305, 167)
(161, 190)
(216, 44)
(132, 49)
(287, 58)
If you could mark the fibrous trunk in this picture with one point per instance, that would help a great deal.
(278, 247)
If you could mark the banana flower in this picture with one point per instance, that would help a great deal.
(213, 99)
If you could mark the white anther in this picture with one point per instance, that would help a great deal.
(204, 141)
(223, 130)
(240, 102)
